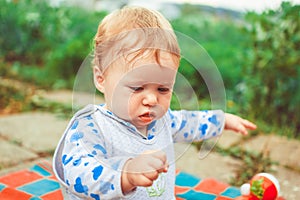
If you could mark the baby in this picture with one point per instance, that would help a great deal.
(123, 149)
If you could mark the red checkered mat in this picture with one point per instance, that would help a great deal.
(190, 187)
(39, 183)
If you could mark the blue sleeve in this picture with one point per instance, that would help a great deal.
(88, 170)
(188, 126)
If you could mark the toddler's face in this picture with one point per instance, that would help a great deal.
(141, 94)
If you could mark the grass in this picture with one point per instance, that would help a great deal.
(252, 162)
(17, 96)
(62, 110)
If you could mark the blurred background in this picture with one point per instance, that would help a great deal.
(254, 44)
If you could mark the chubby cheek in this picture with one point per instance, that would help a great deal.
(134, 105)
(119, 103)
(165, 103)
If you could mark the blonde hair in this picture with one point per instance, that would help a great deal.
(133, 31)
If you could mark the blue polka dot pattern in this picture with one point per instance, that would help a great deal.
(95, 196)
(182, 125)
(91, 124)
(97, 172)
(203, 128)
(77, 162)
(105, 187)
(98, 145)
(76, 136)
(214, 120)
(79, 187)
(75, 124)
(150, 137)
(89, 117)
(101, 148)
(65, 160)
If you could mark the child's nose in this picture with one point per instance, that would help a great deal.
(150, 99)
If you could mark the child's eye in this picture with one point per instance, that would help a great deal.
(163, 89)
(137, 89)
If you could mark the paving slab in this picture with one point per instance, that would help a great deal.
(289, 182)
(213, 165)
(11, 154)
(229, 139)
(281, 149)
(37, 131)
(79, 99)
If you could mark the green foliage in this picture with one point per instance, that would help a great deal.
(48, 43)
(14, 96)
(24, 24)
(258, 58)
(223, 39)
(252, 163)
(273, 84)
(76, 43)
(62, 110)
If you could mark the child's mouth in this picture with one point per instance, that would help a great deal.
(147, 117)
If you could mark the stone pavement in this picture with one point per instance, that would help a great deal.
(28, 138)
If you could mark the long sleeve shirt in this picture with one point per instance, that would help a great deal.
(96, 144)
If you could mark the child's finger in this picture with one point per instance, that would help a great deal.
(157, 154)
(242, 129)
(151, 175)
(142, 180)
(249, 125)
(160, 155)
(158, 160)
(157, 164)
(164, 169)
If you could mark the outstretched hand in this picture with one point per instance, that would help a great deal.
(238, 124)
(143, 170)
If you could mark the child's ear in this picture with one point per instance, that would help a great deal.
(98, 79)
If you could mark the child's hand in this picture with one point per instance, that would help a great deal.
(238, 124)
(143, 170)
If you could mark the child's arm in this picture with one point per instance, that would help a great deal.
(238, 124)
(189, 126)
(143, 170)
(88, 169)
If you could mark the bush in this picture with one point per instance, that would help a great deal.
(27, 30)
(223, 38)
(273, 81)
(14, 96)
(52, 41)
